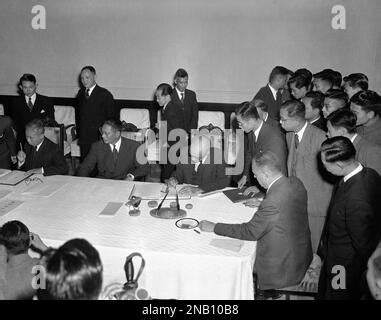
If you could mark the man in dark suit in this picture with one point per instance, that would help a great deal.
(185, 99)
(280, 227)
(29, 106)
(314, 103)
(115, 157)
(96, 105)
(271, 94)
(303, 143)
(261, 137)
(173, 116)
(205, 169)
(343, 123)
(40, 155)
(7, 143)
(353, 224)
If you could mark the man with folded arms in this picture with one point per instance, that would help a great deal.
(203, 170)
(40, 155)
(280, 227)
(114, 156)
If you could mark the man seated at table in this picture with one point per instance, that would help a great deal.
(40, 155)
(114, 156)
(16, 265)
(7, 143)
(280, 226)
(205, 170)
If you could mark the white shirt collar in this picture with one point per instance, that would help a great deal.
(256, 132)
(117, 145)
(353, 138)
(313, 121)
(165, 106)
(33, 98)
(198, 163)
(266, 117)
(91, 89)
(354, 172)
(273, 91)
(275, 180)
(301, 131)
(179, 93)
(39, 145)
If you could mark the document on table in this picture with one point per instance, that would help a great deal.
(228, 244)
(45, 189)
(8, 205)
(111, 209)
(14, 177)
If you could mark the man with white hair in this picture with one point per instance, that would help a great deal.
(205, 169)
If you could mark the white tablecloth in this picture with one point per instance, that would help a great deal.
(180, 264)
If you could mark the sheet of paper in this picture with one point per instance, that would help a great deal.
(7, 205)
(45, 189)
(14, 177)
(228, 244)
(4, 192)
(111, 209)
(156, 191)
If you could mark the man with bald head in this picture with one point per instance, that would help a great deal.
(205, 169)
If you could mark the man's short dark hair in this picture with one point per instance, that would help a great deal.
(114, 123)
(181, 73)
(15, 237)
(28, 77)
(278, 70)
(294, 108)
(165, 88)
(305, 73)
(36, 125)
(269, 160)
(90, 68)
(368, 100)
(337, 94)
(344, 118)
(357, 80)
(258, 103)
(338, 149)
(247, 110)
(317, 99)
(324, 76)
(337, 78)
(73, 272)
(299, 81)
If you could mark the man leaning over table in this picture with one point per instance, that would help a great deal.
(40, 155)
(280, 227)
(114, 156)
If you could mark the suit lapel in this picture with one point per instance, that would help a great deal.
(269, 93)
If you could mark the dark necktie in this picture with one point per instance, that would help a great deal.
(182, 97)
(115, 153)
(279, 97)
(87, 93)
(33, 156)
(30, 104)
(296, 141)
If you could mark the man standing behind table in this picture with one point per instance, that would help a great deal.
(115, 157)
(96, 105)
(280, 227)
(185, 99)
(29, 106)
(40, 155)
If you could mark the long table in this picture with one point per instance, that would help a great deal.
(180, 264)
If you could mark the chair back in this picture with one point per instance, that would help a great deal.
(216, 118)
(56, 135)
(138, 117)
(1, 110)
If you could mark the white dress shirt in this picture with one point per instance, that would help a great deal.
(33, 98)
(273, 91)
(301, 132)
(91, 89)
(117, 145)
(179, 93)
(353, 137)
(256, 132)
(275, 180)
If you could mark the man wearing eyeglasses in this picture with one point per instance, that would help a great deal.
(115, 157)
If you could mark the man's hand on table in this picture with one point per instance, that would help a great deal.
(34, 171)
(129, 177)
(206, 226)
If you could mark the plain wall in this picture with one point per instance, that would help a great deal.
(228, 47)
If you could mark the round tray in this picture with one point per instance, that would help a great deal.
(168, 213)
(187, 223)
